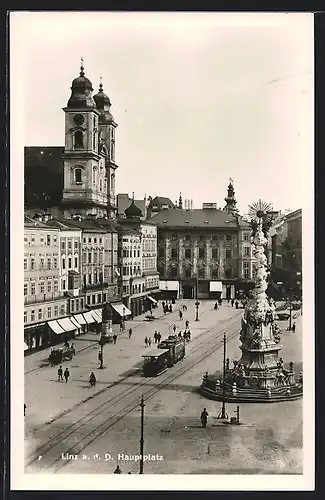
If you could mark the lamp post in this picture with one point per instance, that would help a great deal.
(102, 340)
(142, 405)
(197, 303)
(123, 319)
(223, 414)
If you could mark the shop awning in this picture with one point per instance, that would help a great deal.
(81, 320)
(121, 309)
(67, 324)
(169, 286)
(75, 321)
(152, 299)
(89, 317)
(25, 346)
(215, 286)
(97, 315)
(55, 327)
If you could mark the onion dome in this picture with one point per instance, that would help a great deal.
(103, 105)
(133, 211)
(81, 92)
(101, 99)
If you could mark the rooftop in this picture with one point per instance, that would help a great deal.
(196, 218)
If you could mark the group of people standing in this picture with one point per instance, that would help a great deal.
(65, 374)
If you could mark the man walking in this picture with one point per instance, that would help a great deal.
(114, 338)
(66, 374)
(130, 333)
(60, 373)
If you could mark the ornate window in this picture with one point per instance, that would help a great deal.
(78, 140)
(112, 182)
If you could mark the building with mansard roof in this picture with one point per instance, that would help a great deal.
(205, 251)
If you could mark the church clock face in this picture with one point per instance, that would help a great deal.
(78, 119)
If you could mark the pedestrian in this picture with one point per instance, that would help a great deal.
(204, 417)
(159, 336)
(180, 334)
(163, 304)
(180, 315)
(60, 373)
(174, 328)
(165, 309)
(66, 344)
(66, 374)
(187, 324)
(114, 338)
(294, 327)
(25, 407)
(188, 336)
(92, 380)
(232, 302)
(72, 348)
(118, 470)
(236, 304)
(149, 341)
(228, 300)
(130, 333)
(146, 341)
(155, 336)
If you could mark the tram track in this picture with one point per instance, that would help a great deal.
(120, 380)
(86, 430)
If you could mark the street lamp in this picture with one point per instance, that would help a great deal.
(123, 319)
(142, 405)
(197, 303)
(223, 414)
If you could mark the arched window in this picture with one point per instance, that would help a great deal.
(77, 175)
(78, 140)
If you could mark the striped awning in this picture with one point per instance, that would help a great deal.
(152, 299)
(89, 317)
(121, 309)
(97, 315)
(55, 327)
(81, 320)
(75, 321)
(67, 324)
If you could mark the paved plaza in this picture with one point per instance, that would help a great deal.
(269, 441)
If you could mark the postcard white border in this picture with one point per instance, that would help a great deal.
(20, 481)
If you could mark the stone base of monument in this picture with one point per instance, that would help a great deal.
(254, 390)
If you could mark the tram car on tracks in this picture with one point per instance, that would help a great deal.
(155, 362)
(168, 352)
(176, 346)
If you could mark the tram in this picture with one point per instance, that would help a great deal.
(176, 346)
(169, 352)
(155, 362)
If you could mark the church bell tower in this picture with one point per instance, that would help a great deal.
(85, 175)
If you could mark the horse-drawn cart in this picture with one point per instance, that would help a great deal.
(59, 355)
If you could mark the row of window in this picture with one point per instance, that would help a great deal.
(149, 263)
(93, 240)
(46, 312)
(139, 288)
(70, 244)
(44, 239)
(202, 237)
(202, 254)
(206, 273)
(49, 263)
(128, 253)
(93, 257)
(127, 271)
(149, 245)
(202, 273)
(33, 288)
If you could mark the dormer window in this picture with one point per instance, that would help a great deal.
(78, 140)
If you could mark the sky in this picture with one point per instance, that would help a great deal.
(198, 98)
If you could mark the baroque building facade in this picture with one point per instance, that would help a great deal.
(205, 251)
